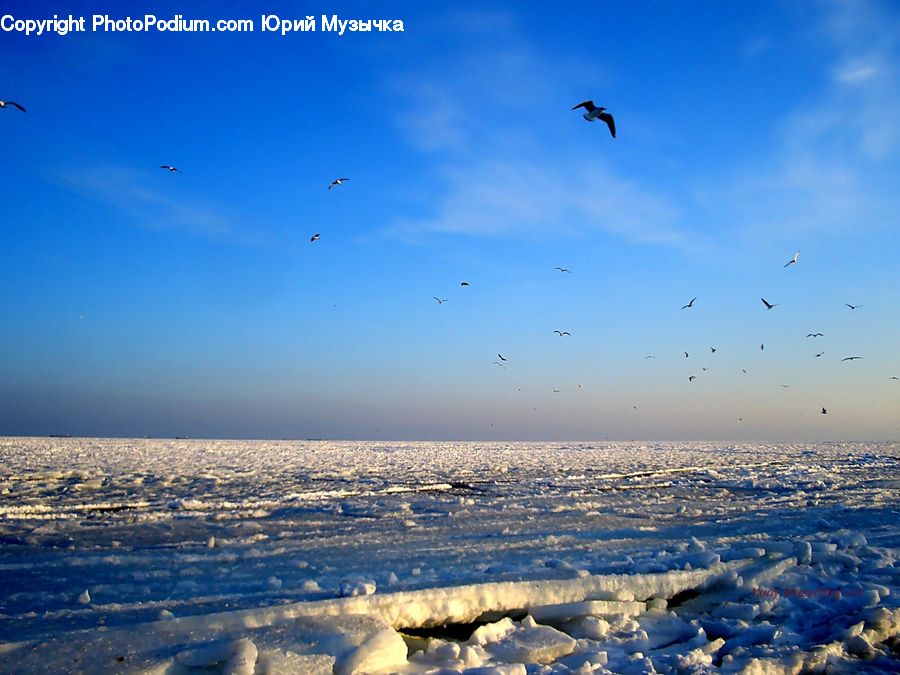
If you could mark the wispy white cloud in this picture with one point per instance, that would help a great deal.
(128, 191)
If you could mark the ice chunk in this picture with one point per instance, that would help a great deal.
(532, 643)
(380, 651)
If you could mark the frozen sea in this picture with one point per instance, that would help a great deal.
(207, 556)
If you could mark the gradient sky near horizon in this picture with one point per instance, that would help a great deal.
(137, 302)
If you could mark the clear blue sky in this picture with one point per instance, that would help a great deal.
(138, 302)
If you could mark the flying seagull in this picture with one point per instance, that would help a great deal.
(501, 357)
(712, 349)
(692, 378)
(315, 237)
(824, 412)
(762, 347)
(813, 335)
(690, 304)
(439, 300)
(894, 377)
(3, 104)
(562, 332)
(649, 357)
(793, 261)
(465, 283)
(556, 391)
(169, 168)
(739, 419)
(592, 113)
(562, 269)
(686, 355)
(852, 306)
(337, 181)
(820, 354)
(769, 305)
(851, 358)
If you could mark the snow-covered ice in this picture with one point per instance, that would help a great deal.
(319, 557)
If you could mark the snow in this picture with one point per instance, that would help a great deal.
(320, 557)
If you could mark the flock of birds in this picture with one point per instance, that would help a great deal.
(591, 114)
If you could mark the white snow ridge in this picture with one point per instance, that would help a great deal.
(189, 557)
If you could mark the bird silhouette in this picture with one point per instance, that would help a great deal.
(768, 305)
(562, 269)
(439, 300)
(315, 237)
(793, 261)
(824, 412)
(813, 335)
(852, 306)
(337, 181)
(169, 168)
(690, 304)
(4, 104)
(851, 358)
(593, 112)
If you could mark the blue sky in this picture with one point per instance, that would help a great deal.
(137, 302)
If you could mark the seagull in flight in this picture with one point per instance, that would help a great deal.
(4, 104)
(712, 349)
(824, 412)
(315, 237)
(690, 304)
(894, 377)
(649, 357)
(593, 112)
(852, 306)
(439, 300)
(851, 358)
(686, 355)
(793, 261)
(562, 332)
(562, 269)
(739, 419)
(337, 181)
(692, 378)
(556, 391)
(769, 305)
(820, 354)
(814, 335)
(762, 347)
(465, 283)
(501, 357)
(169, 168)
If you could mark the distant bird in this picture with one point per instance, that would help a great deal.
(501, 357)
(556, 391)
(465, 283)
(562, 332)
(580, 387)
(690, 304)
(704, 369)
(3, 104)
(686, 355)
(592, 113)
(562, 269)
(824, 412)
(894, 377)
(786, 386)
(813, 335)
(851, 358)
(852, 306)
(712, 349)
(692, 378)
(315, 237)
(768, 305)
(439, 300)
(793, 261)
(820, 354)
(337, 181)
(169, 168)
(739, 419)
(744, 370)
(649, 357)
(762, 347)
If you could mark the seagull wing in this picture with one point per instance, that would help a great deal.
(17, 105)
(587, 105)
(610, 122)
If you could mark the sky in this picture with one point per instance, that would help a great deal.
(140, 302)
